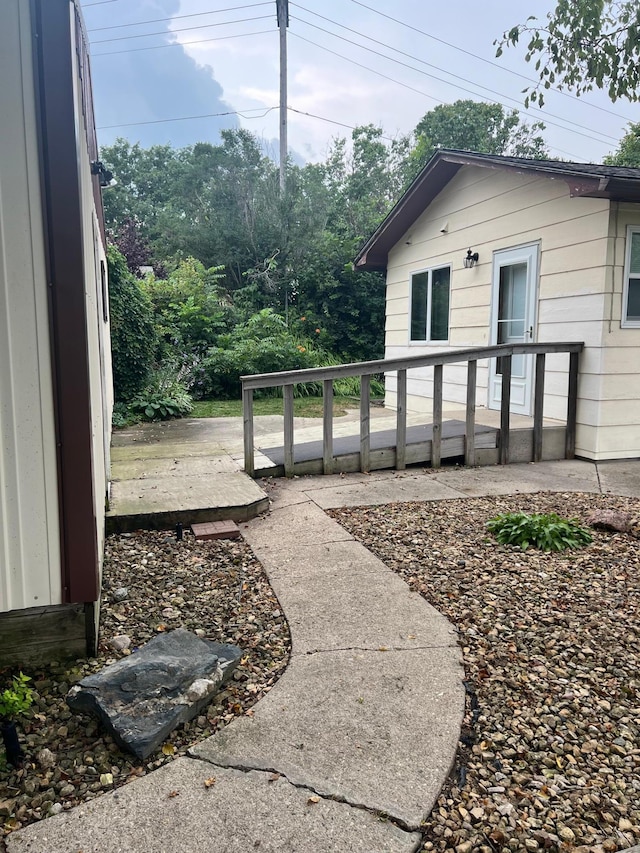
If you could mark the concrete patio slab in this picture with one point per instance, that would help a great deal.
(420, 486)
(620, 477)
(394, 723)
(173, 811)
(161, 502)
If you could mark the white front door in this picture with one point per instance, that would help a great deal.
(513, 308)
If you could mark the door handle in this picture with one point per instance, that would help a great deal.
(530, 332)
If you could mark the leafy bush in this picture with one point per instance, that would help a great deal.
(133, 335)
(263, 344)
(16, 699)
(546, 531)
(165, 396)
(190, 309)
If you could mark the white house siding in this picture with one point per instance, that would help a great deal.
(488, 210)
(98, 335)
(29, 524)
(619, 389)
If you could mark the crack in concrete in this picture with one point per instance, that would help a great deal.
(337, 798)
(597, 467)
(381, 649)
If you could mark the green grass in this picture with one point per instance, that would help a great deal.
(303, 407)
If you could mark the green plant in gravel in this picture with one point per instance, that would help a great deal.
(545, 531)
(17, 698)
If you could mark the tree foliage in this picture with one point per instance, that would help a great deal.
(475, 126)
(133, 334)
(628, 153)
(582, 44)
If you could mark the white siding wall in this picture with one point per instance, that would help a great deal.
(98, 335)
(29, 531)
(489, 210)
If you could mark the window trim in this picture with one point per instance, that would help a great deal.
(427, 339)
(624, 322)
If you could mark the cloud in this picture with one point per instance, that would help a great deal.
(132, 85)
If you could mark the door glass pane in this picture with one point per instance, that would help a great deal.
(633, 303)
(440, 304)
(512, 307)
(419, 287)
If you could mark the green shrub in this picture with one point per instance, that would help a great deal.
(133, 335)
(546, 531)
(164, 397)
(16, 699)
(263, 344)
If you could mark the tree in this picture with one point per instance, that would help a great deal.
(628, 153)
(133, 335)
(582, 44)
(476, 126)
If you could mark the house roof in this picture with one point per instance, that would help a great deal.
(618, 183)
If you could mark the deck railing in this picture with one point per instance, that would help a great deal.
(365, 369)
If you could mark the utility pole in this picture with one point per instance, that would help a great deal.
(282, 8)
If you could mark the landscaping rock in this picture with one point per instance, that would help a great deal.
(611, 519)
(143, 697)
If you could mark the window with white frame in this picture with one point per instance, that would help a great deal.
(430, 304)
(631, 285)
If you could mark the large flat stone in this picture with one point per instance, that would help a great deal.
(173, 811)
(140, 699)
(376, 729)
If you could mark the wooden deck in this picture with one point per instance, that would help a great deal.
(309, 455)
(397, 450)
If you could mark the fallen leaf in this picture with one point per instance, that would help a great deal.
(168, 749)
(210, 782)
(274, 777)
(313, 799)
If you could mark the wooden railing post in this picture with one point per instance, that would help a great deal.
(572, 406)
(401, 422)
(365, 422)
(505, 405)
(436, 440)
(287, 395)
(247, 417)
(470, 427)
(538, 405)
(327, 426)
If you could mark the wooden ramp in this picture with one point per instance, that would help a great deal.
(346, 450)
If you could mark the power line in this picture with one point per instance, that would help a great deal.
(179, 43)
(442, 80)
(439, 79)
(331, 121)
(176, 17)
(190, 118)
(486, 61)
(101, 3)
(184, 29)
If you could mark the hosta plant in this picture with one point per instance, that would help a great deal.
(545, 531)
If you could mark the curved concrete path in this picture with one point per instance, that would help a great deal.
(350, 748)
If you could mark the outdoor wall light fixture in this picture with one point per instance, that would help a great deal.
(471, 259)
(105, 177)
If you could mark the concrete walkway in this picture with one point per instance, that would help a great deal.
(349, 750)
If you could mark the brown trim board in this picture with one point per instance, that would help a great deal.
(62, 202)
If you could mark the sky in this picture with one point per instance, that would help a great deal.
(350, 62)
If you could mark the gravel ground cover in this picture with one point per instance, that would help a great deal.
(152, 583)
(549, 756)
